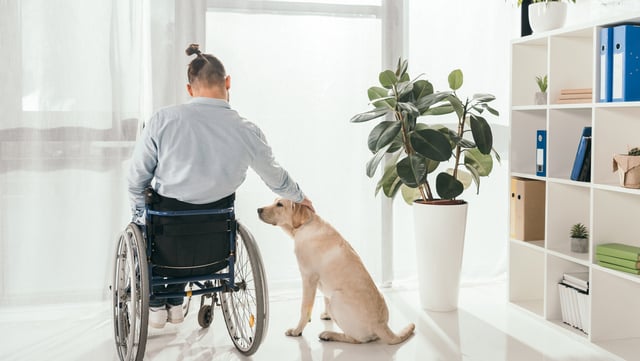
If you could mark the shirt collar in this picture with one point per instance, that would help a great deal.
(210, 101)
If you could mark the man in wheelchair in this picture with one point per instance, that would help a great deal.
(199, 153)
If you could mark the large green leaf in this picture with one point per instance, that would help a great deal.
(483, 98)
(476, 176)
(464, 177)
(372, 164)
(404, 88)
(376, 92)
(457, 105)
(422, 88)
(410, 194)
(481, 133)
(431, 144)
(412, 170)
(387, 79)
(455, 79)
(383, 134)
(483, 163)
(426, 101)
(371, 114)
(390, 182)
(447, 186)
(410, 109)
(397, 144)
(439, 110)
(491, 110)
(379, 97)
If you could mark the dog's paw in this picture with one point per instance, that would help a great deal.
(326, 336)
(293, 332)
(325, 316)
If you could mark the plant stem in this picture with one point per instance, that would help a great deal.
(460, 134)
(428, 195)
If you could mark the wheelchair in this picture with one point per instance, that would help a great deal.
(202, 246)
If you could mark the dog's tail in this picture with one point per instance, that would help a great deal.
(386, 335)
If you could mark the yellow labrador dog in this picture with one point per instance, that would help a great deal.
(328, 262)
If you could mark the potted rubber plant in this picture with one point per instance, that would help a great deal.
(430, 165)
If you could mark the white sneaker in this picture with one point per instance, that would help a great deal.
(176, 315)
(157, 316)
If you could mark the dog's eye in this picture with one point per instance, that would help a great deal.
(279, 204)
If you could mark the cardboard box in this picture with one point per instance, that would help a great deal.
(527, 209)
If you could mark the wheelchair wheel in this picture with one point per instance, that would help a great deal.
(205, 316)
(245, 311)
(130, 289)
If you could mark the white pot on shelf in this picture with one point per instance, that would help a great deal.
(439, 233)
(540, 98)
(547, 15)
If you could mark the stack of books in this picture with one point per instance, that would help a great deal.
(618, 256)
(574, 300)
(570, 96)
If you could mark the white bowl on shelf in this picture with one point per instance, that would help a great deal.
(548, 15)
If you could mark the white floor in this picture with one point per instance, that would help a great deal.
(485, 328)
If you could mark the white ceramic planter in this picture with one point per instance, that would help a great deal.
(548, 15)
(439, 233)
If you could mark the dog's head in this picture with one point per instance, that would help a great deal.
(285, 213)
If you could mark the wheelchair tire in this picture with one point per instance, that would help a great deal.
(246, 310)
(205, 316)
(130, 295)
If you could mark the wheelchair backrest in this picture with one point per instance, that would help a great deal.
(188, 245)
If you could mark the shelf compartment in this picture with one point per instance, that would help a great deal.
(529, 60)
(578, 49)
(563, 137)
(615, 315)
(526, 276)
(556, 268)
(615, 129)
(566, 205)
(615, 218)
(525, 124)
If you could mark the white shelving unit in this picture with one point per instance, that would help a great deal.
(569, 57)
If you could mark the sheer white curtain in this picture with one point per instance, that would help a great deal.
(72, 93)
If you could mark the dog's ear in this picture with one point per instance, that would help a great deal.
(301, 215)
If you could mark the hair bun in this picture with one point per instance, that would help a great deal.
(193, 49)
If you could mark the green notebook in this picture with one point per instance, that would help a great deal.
(619, 268)
(618, 261)
(619, 250)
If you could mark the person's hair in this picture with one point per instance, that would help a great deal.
(205, 68)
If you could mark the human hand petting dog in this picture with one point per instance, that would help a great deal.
(307, 203)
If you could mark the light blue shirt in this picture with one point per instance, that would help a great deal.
(199, 152)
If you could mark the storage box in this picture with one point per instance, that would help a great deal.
(527, 209)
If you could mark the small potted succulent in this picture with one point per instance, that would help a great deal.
(541, 96)
(628, 168)
(579, 238)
